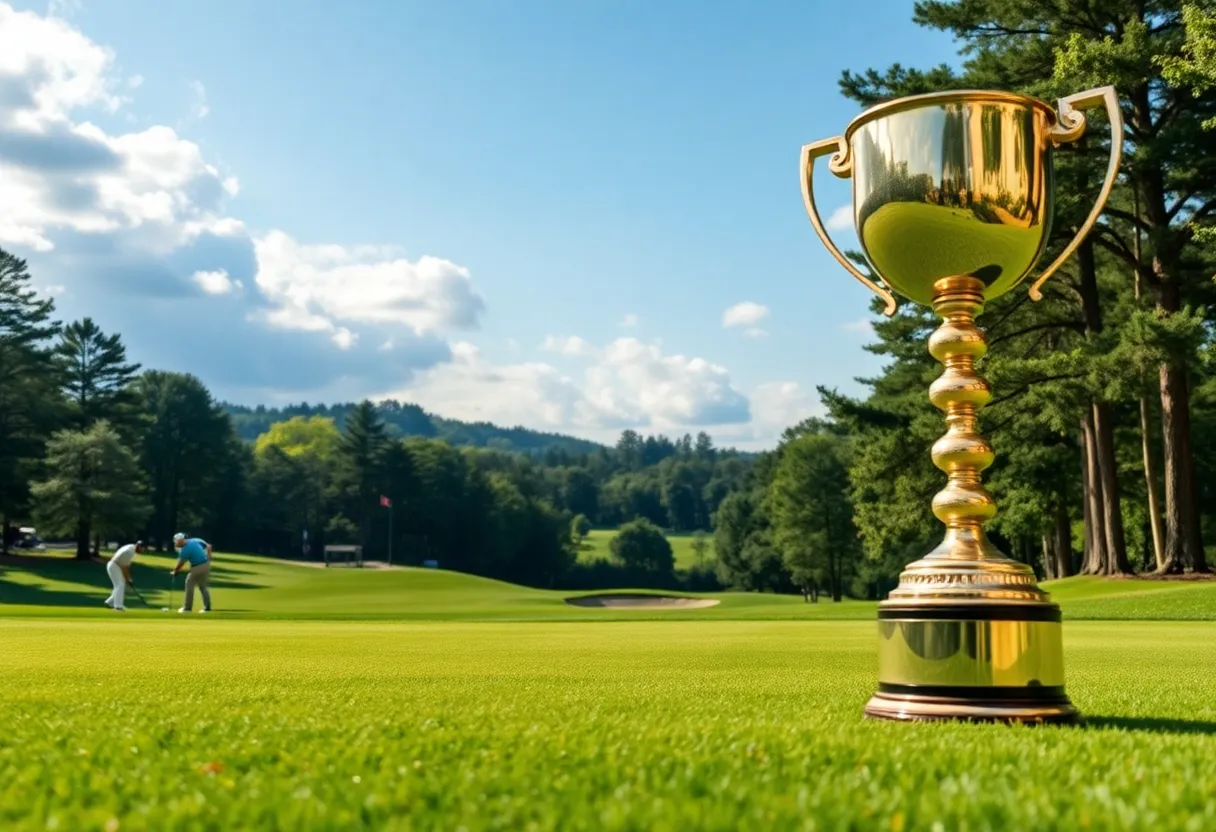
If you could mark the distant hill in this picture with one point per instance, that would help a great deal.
(411, 420)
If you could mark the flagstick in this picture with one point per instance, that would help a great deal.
(390, 534)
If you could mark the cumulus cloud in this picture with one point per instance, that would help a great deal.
(629, 321)
(841, 219)
(314, 287)
(625, 384)
(745, 314)
(569, 345)
(775, 406)
(215, 282)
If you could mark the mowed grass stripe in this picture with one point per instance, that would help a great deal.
(212, 724)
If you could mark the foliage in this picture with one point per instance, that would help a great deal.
(95, 481)
(641, 545)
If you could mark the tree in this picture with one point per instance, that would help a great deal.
(29, 405)
(97, 382)
(743, 546)
(362, 448)
(811, 512)
(95, 480)
(700, 546)
(187, 435)
(95, 375)
(642, 546)
(308, 437)
(580, 526)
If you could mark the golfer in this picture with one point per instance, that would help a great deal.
(196, 552)
(119, 570)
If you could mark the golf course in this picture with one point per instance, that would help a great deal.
(398, 698)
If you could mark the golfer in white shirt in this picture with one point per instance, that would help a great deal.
(119, 570)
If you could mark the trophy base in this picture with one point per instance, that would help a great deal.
(973, 661)
(1013, 705)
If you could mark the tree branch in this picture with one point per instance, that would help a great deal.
(1075, 326)
(1128, 216)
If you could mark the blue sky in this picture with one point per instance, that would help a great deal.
(527, 212)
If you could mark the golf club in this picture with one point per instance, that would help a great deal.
(139, 595)
(172, 587)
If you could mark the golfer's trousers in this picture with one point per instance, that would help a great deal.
(199, 576)
(120, 584)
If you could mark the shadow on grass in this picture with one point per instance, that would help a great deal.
(1152, 725)
(92, 583)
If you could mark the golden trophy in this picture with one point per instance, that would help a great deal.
(952, 203)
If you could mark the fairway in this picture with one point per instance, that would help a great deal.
(208, 724)
(595, 546)
(417, 698)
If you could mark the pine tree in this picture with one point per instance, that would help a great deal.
(362, 446)
(95, 374)
(94, 479)
(29, 401)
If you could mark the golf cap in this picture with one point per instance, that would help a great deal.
(179, 536)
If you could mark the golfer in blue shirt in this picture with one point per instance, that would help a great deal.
(196, 552)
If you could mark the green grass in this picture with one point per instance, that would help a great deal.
(252, 587)
(418, 699)
(190, 723)
(595, 547)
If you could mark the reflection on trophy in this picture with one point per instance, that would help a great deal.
(952, 202)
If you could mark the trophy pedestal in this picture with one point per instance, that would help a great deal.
(971, 661)
(968, 634)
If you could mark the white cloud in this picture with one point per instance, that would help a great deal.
(570, 345)
(198, 106)
(755, 332)
(775, 406)
(841, 219)
(628, 384)
(313, 287)
(630, 320)
(135, 82)
(215, 282)
(344, 338)
(746, 314)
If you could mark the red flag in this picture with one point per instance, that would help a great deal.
(385, 502)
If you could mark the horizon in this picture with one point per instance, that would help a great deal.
(294, 229)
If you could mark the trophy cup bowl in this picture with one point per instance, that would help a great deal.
(952, 204)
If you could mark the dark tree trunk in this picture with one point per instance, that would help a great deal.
(1095, 536)
(1049, 557)
(1116, 562)
(1183, 543)
(1106, 513)
(1183, 546)
(1063, 541)
(83, 537)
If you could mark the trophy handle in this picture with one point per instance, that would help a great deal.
(840, 164)
(1070, 128)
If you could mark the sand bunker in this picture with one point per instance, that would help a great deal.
(641, 602)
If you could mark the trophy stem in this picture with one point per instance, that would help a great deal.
(968, 634)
